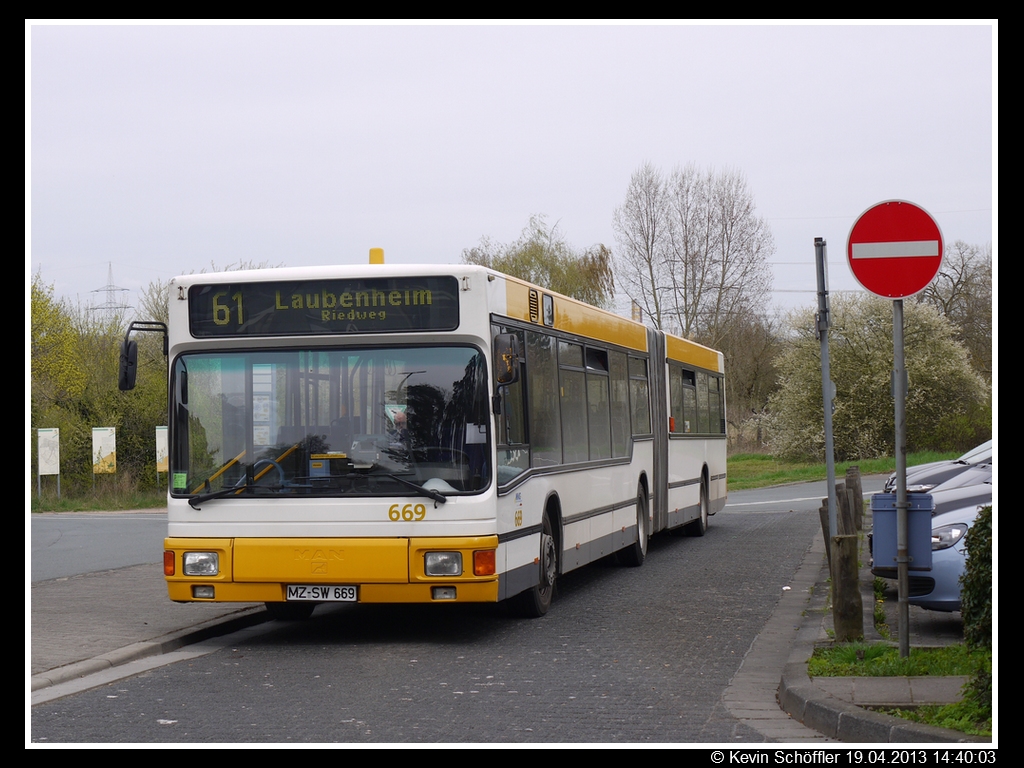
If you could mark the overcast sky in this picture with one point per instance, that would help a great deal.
(162, 149)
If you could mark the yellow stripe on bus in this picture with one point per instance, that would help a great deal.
(684, 351)
(572, 316)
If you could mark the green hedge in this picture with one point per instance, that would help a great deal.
(976, 598)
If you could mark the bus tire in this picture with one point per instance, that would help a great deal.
(535, 602)
(290, 611)
(635, 554)
(700, 526)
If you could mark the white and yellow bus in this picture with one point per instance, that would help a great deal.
(415, 434)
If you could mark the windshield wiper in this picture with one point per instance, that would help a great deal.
(429, 493)
(235, 489)
(245, 483)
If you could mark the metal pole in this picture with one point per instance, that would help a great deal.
(828, 389)
(899, 391)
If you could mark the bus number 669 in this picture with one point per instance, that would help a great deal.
(407, 512)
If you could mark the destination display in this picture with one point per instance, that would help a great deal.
(318, 307)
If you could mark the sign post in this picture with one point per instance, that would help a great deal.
(895, 250)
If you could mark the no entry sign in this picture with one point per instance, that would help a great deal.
(895, 249)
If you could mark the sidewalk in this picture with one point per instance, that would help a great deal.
(88, 623)
(835, 706)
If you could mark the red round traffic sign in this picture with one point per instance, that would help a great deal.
(895, 249)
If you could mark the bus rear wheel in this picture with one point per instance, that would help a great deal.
(700, 526)
(635, 554)
(535, 602)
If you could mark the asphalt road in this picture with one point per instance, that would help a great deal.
(70, 544)
(625, 656)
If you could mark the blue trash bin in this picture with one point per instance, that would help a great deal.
(919, 530)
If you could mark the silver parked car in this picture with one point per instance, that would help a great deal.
(925, 477)
(956, 510)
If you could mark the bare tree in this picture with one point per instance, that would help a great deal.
(692, 252)
(962, 291)
(641, 228)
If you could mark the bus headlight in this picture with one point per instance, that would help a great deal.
(442, 563)
(201, 564)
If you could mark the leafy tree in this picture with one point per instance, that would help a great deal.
(73, 366)
(542, 256)
(98, 403)
(948, 405)
(977, 582)
(692, 252)
(74, 362)
(53, 348)
(962, 291)
(57, 378)
(976, 598)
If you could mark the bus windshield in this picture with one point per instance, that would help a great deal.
(393, 421)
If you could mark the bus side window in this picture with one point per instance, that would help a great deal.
(639, 394)
(542, 383)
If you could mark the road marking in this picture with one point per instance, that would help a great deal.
(776, 501)
(137, 667)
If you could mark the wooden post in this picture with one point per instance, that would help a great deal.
(854, 486)
(844, 515)
(847, 606)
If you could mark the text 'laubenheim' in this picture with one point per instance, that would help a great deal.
(329, 303)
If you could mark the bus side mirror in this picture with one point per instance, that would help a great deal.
(130, 352)
(126, 369)
(506, 358)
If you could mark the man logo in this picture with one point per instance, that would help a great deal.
(320, 554)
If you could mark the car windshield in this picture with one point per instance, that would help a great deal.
(380, 421)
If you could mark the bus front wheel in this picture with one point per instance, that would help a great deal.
(534, 602)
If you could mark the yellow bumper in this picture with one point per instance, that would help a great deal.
(384, 570)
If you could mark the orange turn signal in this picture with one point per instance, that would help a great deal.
(483, 562)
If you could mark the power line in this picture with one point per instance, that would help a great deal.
(111, 307)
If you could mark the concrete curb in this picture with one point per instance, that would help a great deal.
(247, 617)
(802, 700)
(810, 705)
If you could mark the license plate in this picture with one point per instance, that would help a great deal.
(315, 593)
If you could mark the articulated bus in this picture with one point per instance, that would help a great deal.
(420, 434)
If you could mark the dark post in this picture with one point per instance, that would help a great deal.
(854, 487)
(847, 608)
